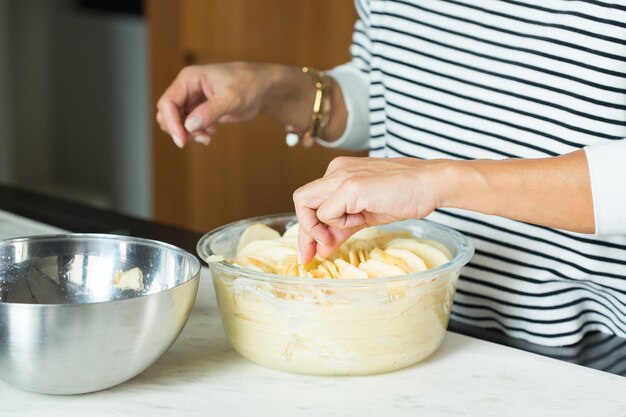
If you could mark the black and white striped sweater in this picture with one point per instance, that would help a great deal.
(467, 79)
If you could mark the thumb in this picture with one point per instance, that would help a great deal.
(207, 113)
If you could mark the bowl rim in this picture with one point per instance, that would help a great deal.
(196, 264)
(465, 253)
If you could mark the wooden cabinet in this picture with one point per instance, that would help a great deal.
(247, 170)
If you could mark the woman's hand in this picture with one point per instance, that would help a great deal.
(203, 95)
(359, 192)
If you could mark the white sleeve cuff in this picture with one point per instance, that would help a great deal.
(355, 89)
(607, 170)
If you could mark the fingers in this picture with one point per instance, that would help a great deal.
(210, 111)
(338, 237)
(202, 96)
(312, 232)
(324, 221)
(333, 201)
(203, 136)
(353, 194)
(306, 201)
(307, 248)
(170, 116)
(171, 106)
(343, 208)
(342, 216)
(202, 139)
(183, 94)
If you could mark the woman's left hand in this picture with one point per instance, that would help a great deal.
(359, 192)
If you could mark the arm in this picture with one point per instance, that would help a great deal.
(553, 192)
(360, 192)
(584, 191)
(202, 96)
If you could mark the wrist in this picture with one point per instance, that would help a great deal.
(272, 76)
(464, 185)
(286, 93)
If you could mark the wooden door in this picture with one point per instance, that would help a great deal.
(247, 170)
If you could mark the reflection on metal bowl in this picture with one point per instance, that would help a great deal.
(66, 328)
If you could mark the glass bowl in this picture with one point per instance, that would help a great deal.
(334, 326)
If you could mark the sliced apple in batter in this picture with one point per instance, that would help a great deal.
(256, 232)
(414, 262)
(431, 256)
(349, 271)
(376, 269)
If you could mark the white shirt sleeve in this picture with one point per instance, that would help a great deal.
(353, 81)
(607, 170)
(355, 89)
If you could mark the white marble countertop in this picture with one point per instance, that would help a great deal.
(12, 225)
(201, 375)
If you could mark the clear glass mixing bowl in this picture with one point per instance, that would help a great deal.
(334, 326)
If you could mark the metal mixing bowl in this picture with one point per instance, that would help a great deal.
(65, 328)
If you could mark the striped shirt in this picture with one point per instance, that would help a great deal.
(465, 79)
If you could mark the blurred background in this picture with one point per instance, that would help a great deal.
(79, 80)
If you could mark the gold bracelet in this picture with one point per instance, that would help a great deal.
(319, 115)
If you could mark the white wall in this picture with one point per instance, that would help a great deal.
(79, 103)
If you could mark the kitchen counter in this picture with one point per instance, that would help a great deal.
(202, 375)
(596, 350)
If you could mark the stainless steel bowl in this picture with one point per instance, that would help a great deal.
(65, 328)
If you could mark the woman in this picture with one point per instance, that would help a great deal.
(504, 120)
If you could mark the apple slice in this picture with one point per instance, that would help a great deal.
(129, 280)
(431, 256)
(389, 259)
(257, 231)
(376, 269)
(349, 271)
(414, 262)
(439, 246)
(292, 231)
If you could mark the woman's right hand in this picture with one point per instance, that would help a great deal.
(203, 95)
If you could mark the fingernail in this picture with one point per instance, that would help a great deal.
(319, 242)
(178, 141)
(205, 140)
(193, 123)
